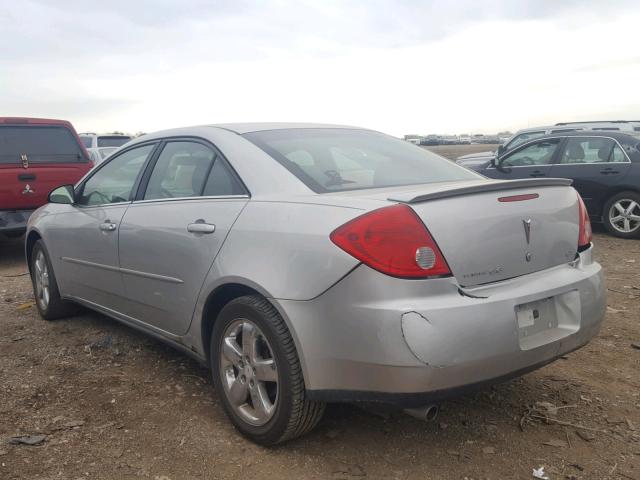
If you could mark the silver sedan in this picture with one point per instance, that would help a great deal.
(308, 264)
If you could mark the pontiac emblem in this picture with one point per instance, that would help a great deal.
(25, 160)
(27, 190)
(527, 229)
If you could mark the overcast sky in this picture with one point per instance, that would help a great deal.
(451, 66)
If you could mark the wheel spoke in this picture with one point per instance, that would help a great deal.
(261, 404)
(266, 370)
(238, 392)
(635, 218)
(249, 338)
(617, 218)
(627, 225)
(631, 206)
(232, 351)
(619, 207)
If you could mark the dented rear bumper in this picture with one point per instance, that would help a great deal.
(376, 338)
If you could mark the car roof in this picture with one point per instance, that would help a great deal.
(91, 134)
(621, 136)
(242, 128)
(33, 121)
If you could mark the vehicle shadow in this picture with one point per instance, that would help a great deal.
(11, 253)
(477, 415)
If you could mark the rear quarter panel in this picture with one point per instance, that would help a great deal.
(283, 250)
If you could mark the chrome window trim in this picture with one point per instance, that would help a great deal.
(194, 198)
(525, 166)
(522, 146)
(101, 205)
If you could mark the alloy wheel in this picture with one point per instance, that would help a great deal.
(41, 276)
(624, 215)
(249, 372)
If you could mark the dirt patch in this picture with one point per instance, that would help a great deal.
(115, 404)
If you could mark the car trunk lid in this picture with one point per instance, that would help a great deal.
(494, 230)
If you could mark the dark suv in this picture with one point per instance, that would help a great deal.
(604, 167)
(36, 156)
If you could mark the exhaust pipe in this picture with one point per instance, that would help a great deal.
(427, 413)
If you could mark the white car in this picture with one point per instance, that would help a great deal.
(97, 155)
(94, 140)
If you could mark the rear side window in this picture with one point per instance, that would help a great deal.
(39, 144)
(86, 141)
(591, 150)
(112, 140)
(222, 181)
(340, 159)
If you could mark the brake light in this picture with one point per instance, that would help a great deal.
(394, 241)
(585, 233)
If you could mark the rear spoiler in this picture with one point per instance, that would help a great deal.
(485, 186)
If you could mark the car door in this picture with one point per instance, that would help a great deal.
(595, 164)
(531, 160)
(171, 234)
(85, 236)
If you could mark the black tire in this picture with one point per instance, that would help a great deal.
(294, 413)
(625, 198)
(56, 307)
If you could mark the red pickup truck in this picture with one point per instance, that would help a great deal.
(37, 155)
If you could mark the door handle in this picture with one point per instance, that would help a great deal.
(199, 226)
(607, 171)
(537, 173)
(108, 226)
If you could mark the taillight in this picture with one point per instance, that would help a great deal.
(394, 241)
(585, 234)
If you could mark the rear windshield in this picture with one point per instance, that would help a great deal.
(112, 141)
(86, 141)
(39, 144)
(329, 160)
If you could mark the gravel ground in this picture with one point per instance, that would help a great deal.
(114, 404)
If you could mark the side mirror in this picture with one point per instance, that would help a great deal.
(500, 150)
(497, 162)
(64, 194)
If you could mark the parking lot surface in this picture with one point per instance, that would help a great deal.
(113, 403)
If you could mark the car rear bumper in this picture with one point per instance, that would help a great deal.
(376, 338)
(14, 221)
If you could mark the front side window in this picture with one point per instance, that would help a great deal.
(539, 153)
(524, 137)
(113, 183)
(340, 159)
(589, 150)
(181, 171)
